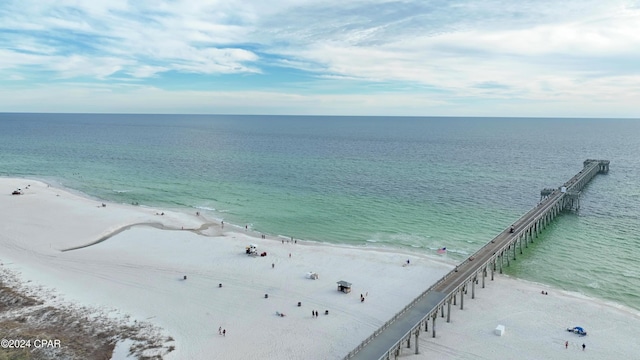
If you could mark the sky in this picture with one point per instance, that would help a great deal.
(560, 58)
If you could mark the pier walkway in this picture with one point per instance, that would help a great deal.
(390, 339)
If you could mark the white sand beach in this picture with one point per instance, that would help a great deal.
(535, 326)
(140, 272)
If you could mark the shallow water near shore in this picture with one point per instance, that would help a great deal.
(416, 184)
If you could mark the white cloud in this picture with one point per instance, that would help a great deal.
(454, 50)
(77, 66)
(74, 97)
(14, 77)
(544, 61)
(146, 71)
(191, 36)
(134, 99)
(607, 36)
(10, 59)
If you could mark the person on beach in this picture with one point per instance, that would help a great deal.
(220, 330)
(583, 346)
(224, 332)
(566, 344)
(273, 265)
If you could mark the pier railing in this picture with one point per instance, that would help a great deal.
(396, 316)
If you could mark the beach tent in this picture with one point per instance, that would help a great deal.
(312, 275)
(577, 330)
(251, 249)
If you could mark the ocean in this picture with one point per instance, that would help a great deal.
(410, 183)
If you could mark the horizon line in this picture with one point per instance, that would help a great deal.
(335, 115)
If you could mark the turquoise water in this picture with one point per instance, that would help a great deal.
(409, 183)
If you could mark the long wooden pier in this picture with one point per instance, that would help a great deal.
(388, 341)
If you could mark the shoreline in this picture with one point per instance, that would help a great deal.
(139, 271)
(215, 222)
(215, 217)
